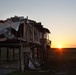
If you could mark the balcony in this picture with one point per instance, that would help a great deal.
(47, 41)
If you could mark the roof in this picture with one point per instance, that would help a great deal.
(14, 25)
(46, 30)
(5, 29)
(7, 33)
(37, 25)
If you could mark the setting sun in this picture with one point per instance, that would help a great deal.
(59, 46)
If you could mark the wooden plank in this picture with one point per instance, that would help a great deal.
(19, 59)
(22, 59)
(0, 52)
(31, 59)
(7, 54)
(13, 53)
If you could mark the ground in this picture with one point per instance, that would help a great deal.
(57, 65)
(52, 68)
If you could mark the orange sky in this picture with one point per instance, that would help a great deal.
(64, 44)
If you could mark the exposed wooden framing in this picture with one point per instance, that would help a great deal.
(21, 51)
(33, 54)
(33, 33)
(24, 36)
(41, 54)
(10, 45)
(0, 52)
(13, 53)
(37, 53)
(22, 58)
(14, 45)
(47, 53)
(24, 30)
(7, 54)
(43, 46)
(31, 59)
(19, 59)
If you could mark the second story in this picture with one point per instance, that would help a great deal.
(23, 29)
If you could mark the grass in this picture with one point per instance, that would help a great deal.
(65, 63)
(31, 73)
(46, 70)
(51, 68)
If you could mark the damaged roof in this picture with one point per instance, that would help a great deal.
(6, 26)
(14, 25)
(15, 22)
(46, 30)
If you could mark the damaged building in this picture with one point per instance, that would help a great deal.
(24, 43)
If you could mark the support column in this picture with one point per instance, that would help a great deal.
(22, 59)
(7, 54)
(37, 53)
(0, 53)
(13, 53)
(19, 59)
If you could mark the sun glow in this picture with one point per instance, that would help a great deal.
(59, 46)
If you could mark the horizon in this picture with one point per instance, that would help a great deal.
(66, 48)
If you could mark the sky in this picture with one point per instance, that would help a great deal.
(59, 16)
